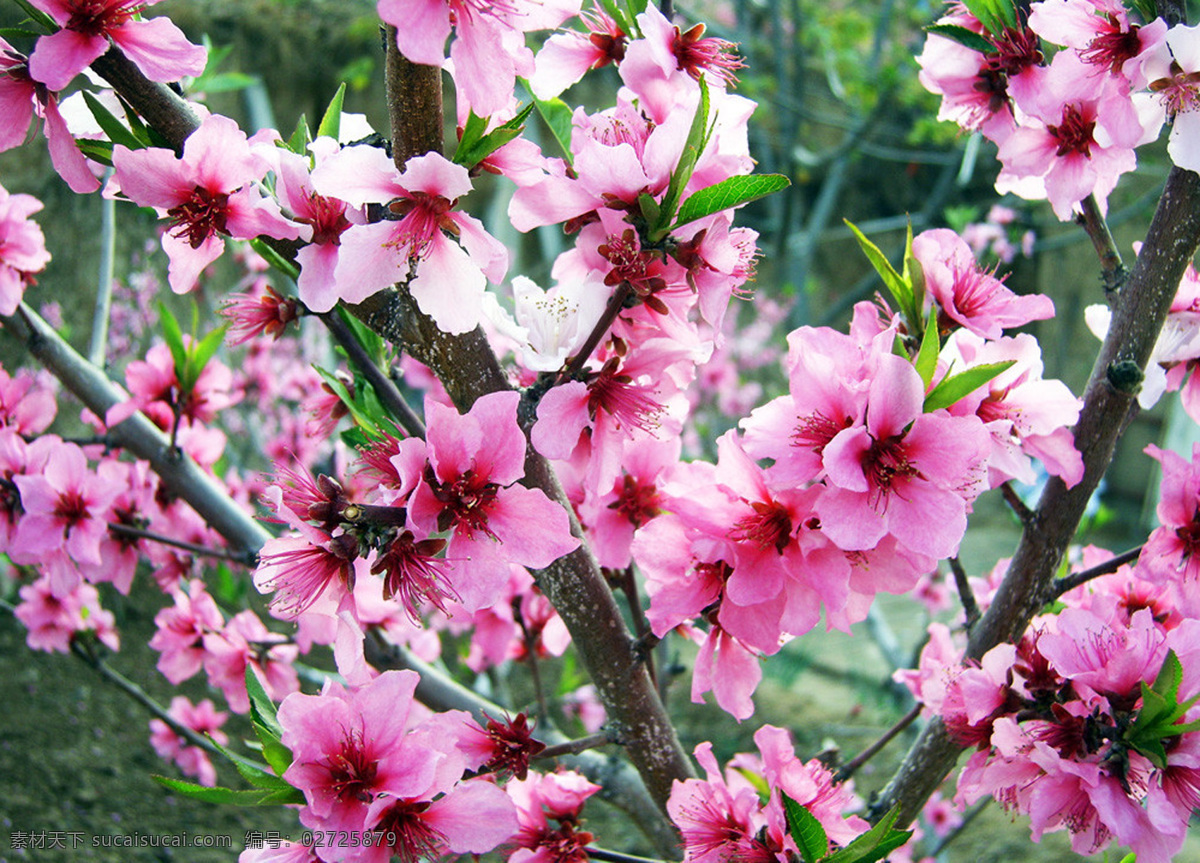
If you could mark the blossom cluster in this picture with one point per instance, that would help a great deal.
(1061, 722)
(1066, 128)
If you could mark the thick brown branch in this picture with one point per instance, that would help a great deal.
(165, 111)
(1140, 308)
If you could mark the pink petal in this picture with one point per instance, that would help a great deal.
(160, 49)
(448, 286)
(59, 57)
(422, 27)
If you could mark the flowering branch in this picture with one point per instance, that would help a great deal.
(1072, 581)
(965, 594)
(1114, 272)
(851, 767)
(620, 784)
(613, 308)
(389, 394)
(574, 747)
(1140, 308)
(245, 558)
(181, 476)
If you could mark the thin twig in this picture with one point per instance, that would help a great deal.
(971, 815)
(574, 747)
(98, 348)
(1023, 513)
(616, 856)
(615, 303)
(1072, 581)
(851, 767)
(1113, 269)
(965, 594)
(641, 628)
(249, 559)
(390, 396)
(530, 640)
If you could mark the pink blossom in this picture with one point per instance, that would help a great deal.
(22, 248)
(53, 620)
(65, 507)
(966, 294)
(1101, 32)
(1171, 71)
(1077, 139)
(567, 56)
(1171, 553)
(156, 46)
(445, 256)
(540, 799)
(469, 488)
(181, 631)
(903, 471)
(245, 641)
(325, 220)
(205, 720)
(27, 401)
(489, 47)
(22, 100)
(208, 193)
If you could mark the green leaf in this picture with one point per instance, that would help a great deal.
(251, 772)
(370, 340)
(927, 356)
(200, 353)
(342, 393)
(874, 845)
(558, 118)
(963, 36)
(274, 259)
(110, 125)
(472, 134)
(621, 15)
(273, 750)
(806, 830)
(173, 336)
(262, 709)
(255, 797)
(1169, 677)
(331, 123)
(18, 33)
(899, 288)
(758, 782)
(38, 16)
(301, 137)
(730, 192)
(475, 148)
(649, 207)
(97, 151)
(914, 275)
(693, 146)
(995, 15)
(954, 387)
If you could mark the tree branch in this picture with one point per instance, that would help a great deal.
(1140, 308)
(619, 782)
(1070, 582)
(1113, 269)
(180, 476)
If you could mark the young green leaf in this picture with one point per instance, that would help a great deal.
(274, 259)
(730, 192)
(110, 125)
(199, 353)
(173, 336)
(954, 387)
(370, 340)
(963, 36)
(914, 275)
(301, 136)
(38, 16)
(339, 389)
(927, 356)
(254, 797)
(558, 118)
(471, 151)
(251, 772)
(874, 845)
(807, 832)
(262, 709)
(693, 146)
(331, 123)
(899, 288)
(97, 151)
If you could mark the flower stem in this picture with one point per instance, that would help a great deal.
(1113, 269)
(965, 594)
(1072, 581)
(574, 747)
(851, 767)
(249, 559)
(615, 303)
